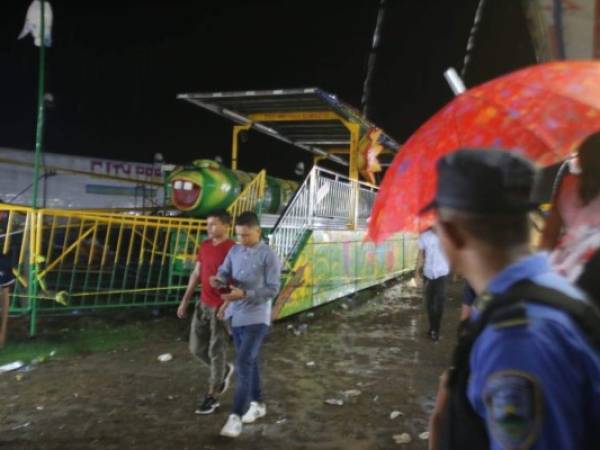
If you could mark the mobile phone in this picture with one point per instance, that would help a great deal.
(222, 286)
(220, 283)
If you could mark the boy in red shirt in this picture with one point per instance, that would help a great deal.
(208, 335)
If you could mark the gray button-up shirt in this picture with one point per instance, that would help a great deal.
(256, 270)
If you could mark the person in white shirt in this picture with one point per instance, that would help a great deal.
(432, 273)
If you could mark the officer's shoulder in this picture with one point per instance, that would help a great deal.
(523, 313)
(510, 317)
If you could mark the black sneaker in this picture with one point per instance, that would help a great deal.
(226, 379)
(207, 406)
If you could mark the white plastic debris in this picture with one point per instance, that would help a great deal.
(281, 421)
(376, 398)
(344, 306)
(23, 425)
(424, 435)
(352, 393)
(395, 414)
(11, 366)
(302, 328)
(403, 438)
(165, 357)
(290, 327)
(39, 408)
(310, 364)
(334, 402)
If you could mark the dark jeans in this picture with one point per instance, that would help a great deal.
(247, 340)
(435, 296)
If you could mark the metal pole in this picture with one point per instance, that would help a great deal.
(32, 278)
(40, 111)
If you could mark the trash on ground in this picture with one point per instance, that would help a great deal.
(165, 357)
(27, 368)
(395, 414)
(352, 393)
(403, 438)
(344, 306)
(11, 366)
(334, 402)
(376, 398)
(424, 436)
(39, 408)
(302, 328)
(23, 425)
(43, 358)
(281, 421)
(19, 376)
(310, 364)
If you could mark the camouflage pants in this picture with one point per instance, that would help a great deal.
(208, 343)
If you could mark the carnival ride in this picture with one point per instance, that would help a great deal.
(91, 260)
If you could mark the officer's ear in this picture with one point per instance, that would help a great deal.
(450, 234)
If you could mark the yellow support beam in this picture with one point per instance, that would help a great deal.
(338, 151)
(293, 116)
(354, 130)
(235, 143)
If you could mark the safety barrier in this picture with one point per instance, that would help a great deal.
(79, 260)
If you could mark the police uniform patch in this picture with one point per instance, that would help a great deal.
(514, 409)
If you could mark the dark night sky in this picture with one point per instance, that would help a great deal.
(116, 67)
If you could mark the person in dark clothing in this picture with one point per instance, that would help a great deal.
(432, 273)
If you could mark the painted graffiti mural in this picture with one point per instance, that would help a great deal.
(337, 263)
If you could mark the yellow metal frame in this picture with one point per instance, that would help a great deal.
(248, 199)
(294, 116)
(351, 150)
(237, 129)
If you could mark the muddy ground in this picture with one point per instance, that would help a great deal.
(374, 343)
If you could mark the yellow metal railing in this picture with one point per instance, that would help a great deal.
(83, 260)
(250, 197)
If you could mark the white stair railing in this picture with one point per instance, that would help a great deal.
(323, 200)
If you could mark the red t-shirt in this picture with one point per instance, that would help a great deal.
(210, 258)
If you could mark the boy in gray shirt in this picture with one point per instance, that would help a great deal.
(253, 271)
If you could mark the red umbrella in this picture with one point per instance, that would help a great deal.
(542, 111)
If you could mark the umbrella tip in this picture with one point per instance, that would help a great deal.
(454, 80)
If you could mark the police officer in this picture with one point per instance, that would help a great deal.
(526, 375)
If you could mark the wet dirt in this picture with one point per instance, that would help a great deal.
(372, 354)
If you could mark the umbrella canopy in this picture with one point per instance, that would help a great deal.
(542, 111)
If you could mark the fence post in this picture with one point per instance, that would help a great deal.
(32, 285)
(311, 195)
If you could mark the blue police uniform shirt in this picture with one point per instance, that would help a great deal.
(536, 384)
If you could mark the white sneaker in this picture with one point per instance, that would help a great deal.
(233, 426)
(256, 411)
